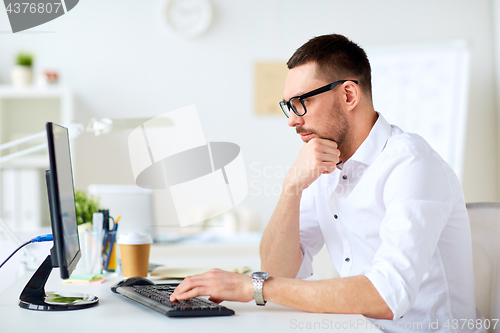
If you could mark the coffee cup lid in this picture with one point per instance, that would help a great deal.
(134, 238)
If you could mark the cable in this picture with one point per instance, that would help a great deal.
(43, 238)
(20, 247)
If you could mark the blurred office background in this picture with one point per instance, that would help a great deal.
(120, 60)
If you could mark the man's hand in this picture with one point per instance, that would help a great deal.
(316, 157)
(218, 284)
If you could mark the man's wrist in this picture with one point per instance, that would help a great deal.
(266, 289)
(249, 289)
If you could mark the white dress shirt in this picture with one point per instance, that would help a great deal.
(395, 212)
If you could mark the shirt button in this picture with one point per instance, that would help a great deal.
(335, 216)
(344, 177)
(347, 259)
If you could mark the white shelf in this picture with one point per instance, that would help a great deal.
(56, 91)
(28, 162)
(24, 112)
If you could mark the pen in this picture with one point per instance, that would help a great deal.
(90, 239)
(115, 226)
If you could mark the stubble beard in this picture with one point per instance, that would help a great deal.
(336, 130)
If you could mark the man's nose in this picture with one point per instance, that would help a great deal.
(294, 120)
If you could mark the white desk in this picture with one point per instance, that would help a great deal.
(115, 313)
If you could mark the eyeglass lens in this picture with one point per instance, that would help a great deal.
(297, 106)
(285, 109)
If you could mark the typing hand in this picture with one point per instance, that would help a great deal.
(317, 157)
(218, 284)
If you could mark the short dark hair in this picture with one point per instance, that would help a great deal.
(337, 58)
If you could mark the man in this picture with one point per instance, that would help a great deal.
(390, 211)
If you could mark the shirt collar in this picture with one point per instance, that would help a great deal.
(374, 142)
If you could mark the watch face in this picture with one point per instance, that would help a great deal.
(261, 275)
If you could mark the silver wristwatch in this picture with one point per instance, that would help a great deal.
(258, 282)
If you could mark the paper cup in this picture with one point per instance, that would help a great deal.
(134, 249)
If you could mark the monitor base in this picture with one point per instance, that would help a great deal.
(34, 296)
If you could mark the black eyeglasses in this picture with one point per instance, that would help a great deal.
(296, 104)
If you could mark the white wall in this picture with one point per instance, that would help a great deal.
(121, 63)
(496, 55)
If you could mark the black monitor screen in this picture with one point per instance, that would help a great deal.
(62, 199)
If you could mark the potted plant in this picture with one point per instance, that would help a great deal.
(86, 205)
(90, 245)
(22, 73)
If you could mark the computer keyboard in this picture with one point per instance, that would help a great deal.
(157, 297)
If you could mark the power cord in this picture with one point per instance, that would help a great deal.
(43, 238)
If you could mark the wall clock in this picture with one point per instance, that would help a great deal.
(187, 18)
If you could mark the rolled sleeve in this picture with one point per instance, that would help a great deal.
(306, 269)
(311, 238)
(419, 202)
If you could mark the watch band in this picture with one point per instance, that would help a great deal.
(258, 279)
(257, 291)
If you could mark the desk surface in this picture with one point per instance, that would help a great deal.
(117, 312)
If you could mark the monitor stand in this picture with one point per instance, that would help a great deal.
(34, 296)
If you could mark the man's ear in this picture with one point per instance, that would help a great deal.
(352, 94)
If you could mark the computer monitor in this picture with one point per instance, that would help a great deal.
(62, 201)
(65, 252)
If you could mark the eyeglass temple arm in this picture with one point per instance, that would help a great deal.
(325, 88)
(318, 91)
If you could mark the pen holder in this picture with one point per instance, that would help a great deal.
(90, 263)
(109, 252)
